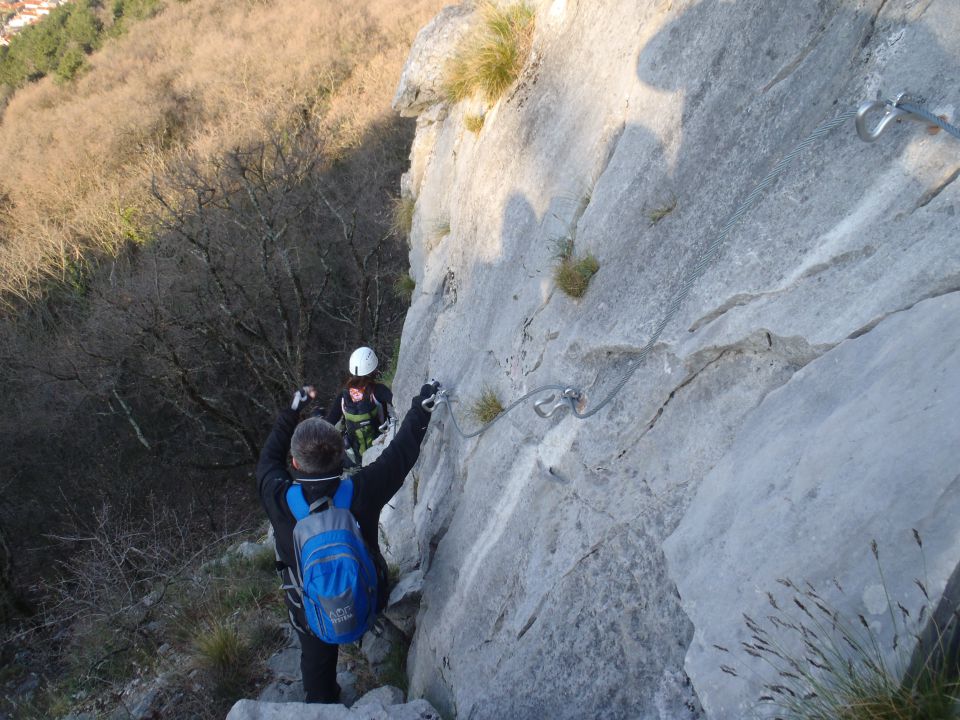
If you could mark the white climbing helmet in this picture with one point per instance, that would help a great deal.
(363, 361)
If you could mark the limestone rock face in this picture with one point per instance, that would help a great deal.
(823, 443)
(422, 79)
(796, 407)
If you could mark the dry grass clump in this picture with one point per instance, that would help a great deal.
(404, 286)
(493, 55)
(401, 220)
(196, 80)
(474, 123)
(827, 666)
(438, 232)
(487, 406)
(659, 213)
(572, 274)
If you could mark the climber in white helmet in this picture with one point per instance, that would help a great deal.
(363, 404)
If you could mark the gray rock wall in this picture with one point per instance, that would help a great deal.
(798, 405)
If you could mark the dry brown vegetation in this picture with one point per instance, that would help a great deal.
(196, 225)
(198, 79)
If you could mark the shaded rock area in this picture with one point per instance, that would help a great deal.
(376, 705)
(795, 408)
(822, 443)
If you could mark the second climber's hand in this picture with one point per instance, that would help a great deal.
(302, 396)
(428, 390)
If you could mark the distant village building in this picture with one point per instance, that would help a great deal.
(27, 12)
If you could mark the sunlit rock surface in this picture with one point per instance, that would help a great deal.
(796, 408)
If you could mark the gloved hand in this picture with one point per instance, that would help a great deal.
(429, 389)
(302, 396)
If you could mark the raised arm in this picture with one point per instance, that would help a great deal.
(273, 457)
(384, 477)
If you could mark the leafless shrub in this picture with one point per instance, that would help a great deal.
(161, 89)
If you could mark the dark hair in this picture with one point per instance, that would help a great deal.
(362, 382)
(317, 447)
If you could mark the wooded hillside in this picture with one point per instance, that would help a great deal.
(195, 224)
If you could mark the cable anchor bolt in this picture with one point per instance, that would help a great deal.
(892, 112)
(568, 399)
(430, 403)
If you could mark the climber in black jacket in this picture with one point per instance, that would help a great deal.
(317, 456)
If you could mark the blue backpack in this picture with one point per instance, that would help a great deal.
(334, 571)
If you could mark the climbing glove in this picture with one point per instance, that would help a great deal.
(429, 389)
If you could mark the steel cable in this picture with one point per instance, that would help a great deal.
(699, 268)
(927, 115)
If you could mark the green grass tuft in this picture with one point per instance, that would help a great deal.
(573, 274)
(390, 372)
(658, 214)
(222, 648)
(404, 286)
(493, 56)
(486, 407)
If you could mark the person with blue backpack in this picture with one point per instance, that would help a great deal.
(326, 530)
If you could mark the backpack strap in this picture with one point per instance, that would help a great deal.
(297, 502)
(298, 505)
(343, 498)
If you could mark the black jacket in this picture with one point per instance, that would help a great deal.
(374, 485)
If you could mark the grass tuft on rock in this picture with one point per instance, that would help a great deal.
(474, 123)
(487, 406)
(390, 372)
(404, 286)
(659, 213)
(491, 57)
(573, 274)
(828, 665)
(401, 216)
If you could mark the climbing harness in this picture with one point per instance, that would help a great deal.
(905, 107)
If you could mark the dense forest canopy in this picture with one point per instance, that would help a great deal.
(60, 43)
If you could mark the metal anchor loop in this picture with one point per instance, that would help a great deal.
(568, 399)
(891, 113)
(430, 403)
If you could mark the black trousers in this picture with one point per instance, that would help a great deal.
(318, 665)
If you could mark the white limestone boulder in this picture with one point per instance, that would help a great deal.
(421, 83)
